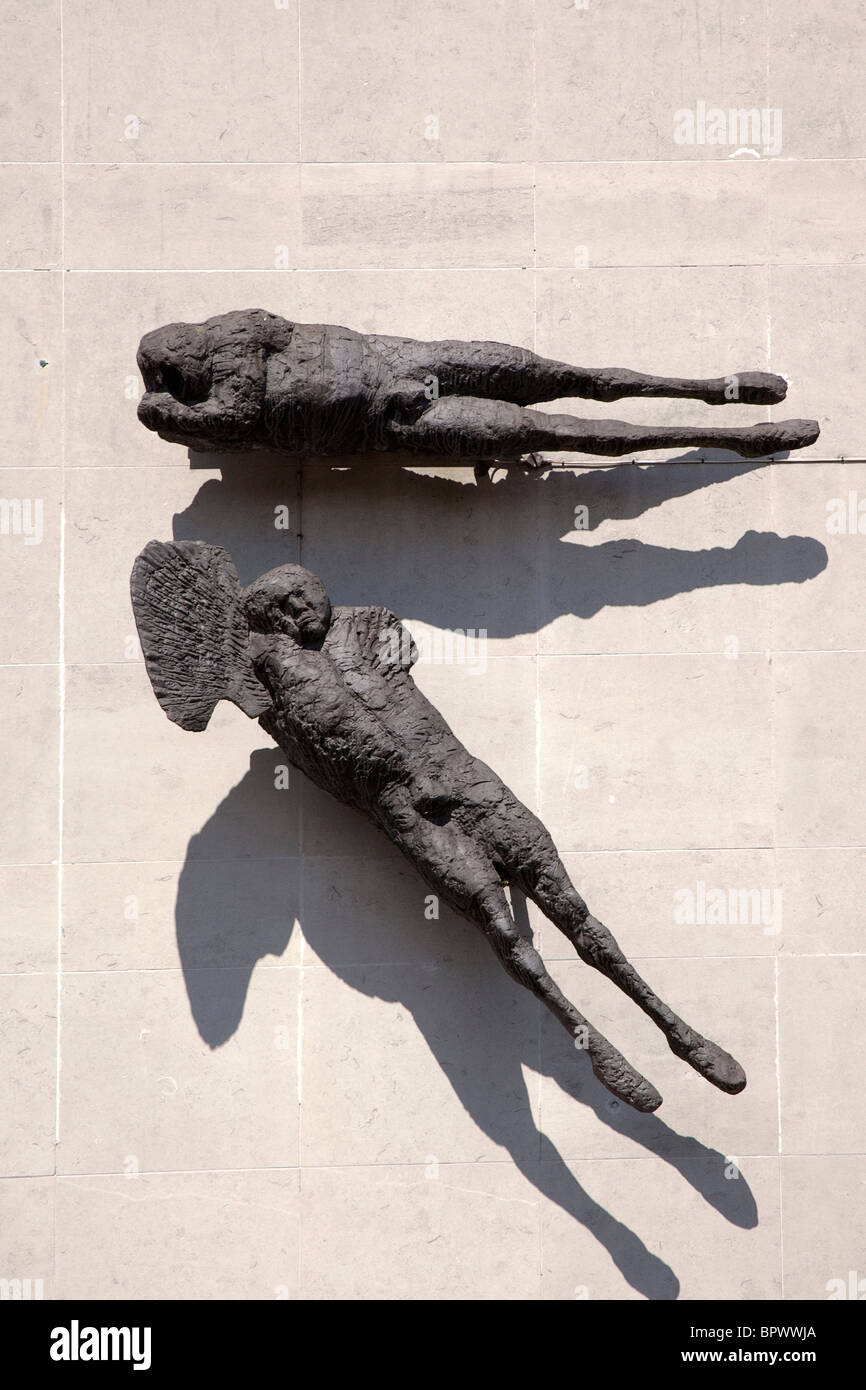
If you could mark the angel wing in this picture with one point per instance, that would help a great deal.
(195, 638)
(371, 638)
(375, 654)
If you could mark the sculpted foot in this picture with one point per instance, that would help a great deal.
(709, 1060)
(776, 438)
(749, 388)
(622, 1079)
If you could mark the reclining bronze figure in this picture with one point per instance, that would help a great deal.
(252, 380)
(332, 686)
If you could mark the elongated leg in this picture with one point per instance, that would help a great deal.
(525, 965)
(470, 427)
(551, 888)
(498, 371)
(458, 867)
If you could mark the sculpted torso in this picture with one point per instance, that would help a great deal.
(348, 714)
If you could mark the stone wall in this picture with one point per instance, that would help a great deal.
(243, 1058)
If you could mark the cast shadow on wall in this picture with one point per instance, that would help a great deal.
(482, 1028)
(383, 535)
(502, 555)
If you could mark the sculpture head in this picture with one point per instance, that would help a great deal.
(288, 600)
(177, 359)
(209, 378)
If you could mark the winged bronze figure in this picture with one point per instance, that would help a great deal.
(333, 687)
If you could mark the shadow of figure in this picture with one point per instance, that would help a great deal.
(233, 913)
(364, 522)
(502, 556)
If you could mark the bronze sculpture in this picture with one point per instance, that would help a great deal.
(251, 380)
(332, 686)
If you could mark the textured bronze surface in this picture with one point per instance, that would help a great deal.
(333, 687)
(252, 380)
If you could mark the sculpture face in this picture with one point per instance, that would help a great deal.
(289, 600)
